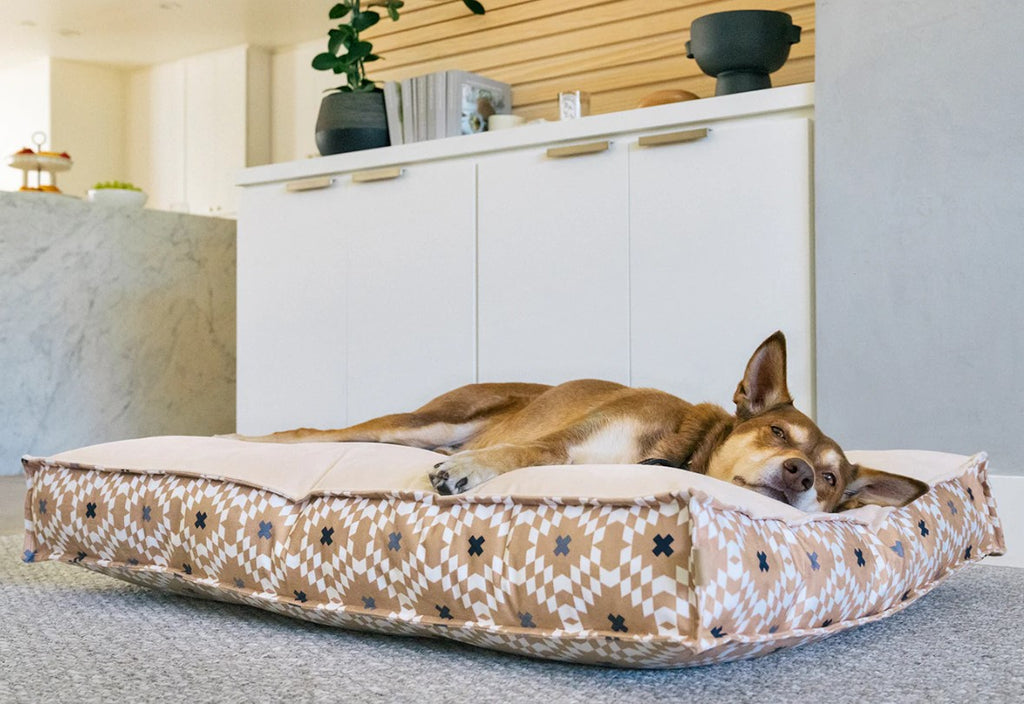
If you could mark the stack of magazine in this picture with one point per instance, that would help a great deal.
(443, 104)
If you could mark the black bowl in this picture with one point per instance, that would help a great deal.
(742, 47)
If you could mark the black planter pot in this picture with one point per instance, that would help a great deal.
(349, 122)
(740, 48)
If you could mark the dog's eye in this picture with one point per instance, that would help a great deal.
(778, 432)
(830, 478)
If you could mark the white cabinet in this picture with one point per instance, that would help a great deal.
(292, 305)
(554, 275)
(195, 123)
(355, 298)
(720, 257)
(491, 259)
(410, 283)
(227, 106)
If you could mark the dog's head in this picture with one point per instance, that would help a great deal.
(777, 451)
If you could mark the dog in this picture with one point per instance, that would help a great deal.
(768, 446)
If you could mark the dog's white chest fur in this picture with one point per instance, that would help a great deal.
(616, 443)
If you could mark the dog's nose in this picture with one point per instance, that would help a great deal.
(798, 475)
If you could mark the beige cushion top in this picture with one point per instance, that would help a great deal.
(297, 471)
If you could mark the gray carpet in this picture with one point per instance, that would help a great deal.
(69, 635)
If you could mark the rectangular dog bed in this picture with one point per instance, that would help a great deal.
(637, 566)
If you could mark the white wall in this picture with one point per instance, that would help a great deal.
(194, 124)
(80, 106)
(26, 110)
(297, 90)
(155, 134)
(133, 125)
(87, 120)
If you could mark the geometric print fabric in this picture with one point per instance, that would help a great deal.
(665, 581)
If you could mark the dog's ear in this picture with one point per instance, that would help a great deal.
(877, 488)
(764, 381)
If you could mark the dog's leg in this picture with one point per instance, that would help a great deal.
(413, 429)
(469, 468)
(445, 422)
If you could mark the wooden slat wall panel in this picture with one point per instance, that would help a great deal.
(616, 50)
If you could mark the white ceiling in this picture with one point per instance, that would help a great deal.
(142, 32)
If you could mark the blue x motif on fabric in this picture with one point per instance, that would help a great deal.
(395, 541)
(300, 596)
(923, 528)
(662, 545)
(970, 493)
(239, 583)
(146, 513)
(897, 548)
(475, 544)
(79, 557)
(443, 612)
(42, 506)
(967, 552)
(762, 562)
(717, 632)
(813, 556)
(618, 623)
(200, 519)
(29, 556)
(526, 620)
(952, 507)
(326, 536)
(860, 557)
(265, 528)
(369, 602)
(562, 544)
(90, 510)
(187, 567)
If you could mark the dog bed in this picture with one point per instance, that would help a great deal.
(636, 566)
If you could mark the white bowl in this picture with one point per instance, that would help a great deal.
(117, 197)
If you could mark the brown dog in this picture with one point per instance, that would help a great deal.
(768, 446)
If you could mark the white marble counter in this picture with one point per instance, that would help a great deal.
(113, 324)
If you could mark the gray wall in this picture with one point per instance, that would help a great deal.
(919, 143)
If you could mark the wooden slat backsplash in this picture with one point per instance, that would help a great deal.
(616, 50)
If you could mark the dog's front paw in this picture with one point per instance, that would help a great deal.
(459, 473)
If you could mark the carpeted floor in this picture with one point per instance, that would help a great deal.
(68, 635)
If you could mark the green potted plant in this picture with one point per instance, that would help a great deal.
(352, 116)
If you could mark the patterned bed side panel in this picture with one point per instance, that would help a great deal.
(761, 580)
(576, 580)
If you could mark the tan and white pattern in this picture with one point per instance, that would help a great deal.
(677, 578)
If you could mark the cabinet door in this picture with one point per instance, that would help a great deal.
(292, 258)
(720, 257)
(410, 280)
(553, 271)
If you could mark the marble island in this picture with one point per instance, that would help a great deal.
(113, 324)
